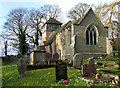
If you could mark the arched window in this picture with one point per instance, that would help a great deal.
(91, 36)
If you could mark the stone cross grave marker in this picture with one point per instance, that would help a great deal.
(61, 71)
(22, 67)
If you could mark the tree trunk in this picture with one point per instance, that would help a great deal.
(22, 44)
(36, 38)
(6, 48)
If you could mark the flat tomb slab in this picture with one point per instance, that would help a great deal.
(103, 79)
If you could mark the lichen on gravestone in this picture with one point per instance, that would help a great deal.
(22, 67)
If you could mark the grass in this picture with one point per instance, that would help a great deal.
(44, 77)
(39, 77)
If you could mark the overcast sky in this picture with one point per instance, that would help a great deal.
(65, 5)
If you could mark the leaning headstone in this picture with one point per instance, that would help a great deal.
(61, 71)
(56, 56)
(22, 67)
(91, 61)
(88, 70)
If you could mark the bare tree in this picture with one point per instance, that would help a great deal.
(17, 24)
(78, 11)
(36, 21)
(109, 16)
(107, 12)
(51, 11)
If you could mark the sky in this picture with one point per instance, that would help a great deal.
(65, 5)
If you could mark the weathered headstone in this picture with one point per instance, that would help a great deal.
(77, 61)
(91, 61)
(56, 56)
(88, 70)
(22, 67)
(48, 56)
(61, 71)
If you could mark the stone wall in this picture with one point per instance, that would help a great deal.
(80, 32)
(63, 40)
(45, 36)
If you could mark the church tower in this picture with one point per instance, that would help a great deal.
(49, 28)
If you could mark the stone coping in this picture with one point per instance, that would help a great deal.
(93, 53)
(38, 51)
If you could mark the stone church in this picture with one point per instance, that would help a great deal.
(85, 37)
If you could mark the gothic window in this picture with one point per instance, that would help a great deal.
(91, 36)
(87, 37)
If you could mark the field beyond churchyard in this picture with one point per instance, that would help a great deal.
(46, 76)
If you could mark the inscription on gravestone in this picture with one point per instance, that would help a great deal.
(61, 71)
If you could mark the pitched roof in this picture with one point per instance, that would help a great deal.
(53, 21)
(76, 22)
(53, 36)
(81, 18)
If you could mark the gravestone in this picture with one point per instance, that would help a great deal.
(22, 67)
(56, 56)
(77, 61)
(61, 71)
(88, 70)
(48, 56)
(91, 61)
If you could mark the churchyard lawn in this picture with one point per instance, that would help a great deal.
(46, 76)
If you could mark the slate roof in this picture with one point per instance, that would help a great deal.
(53, 36)
(53, 21)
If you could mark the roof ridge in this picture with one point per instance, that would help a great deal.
(81, 18)
(53, 20)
